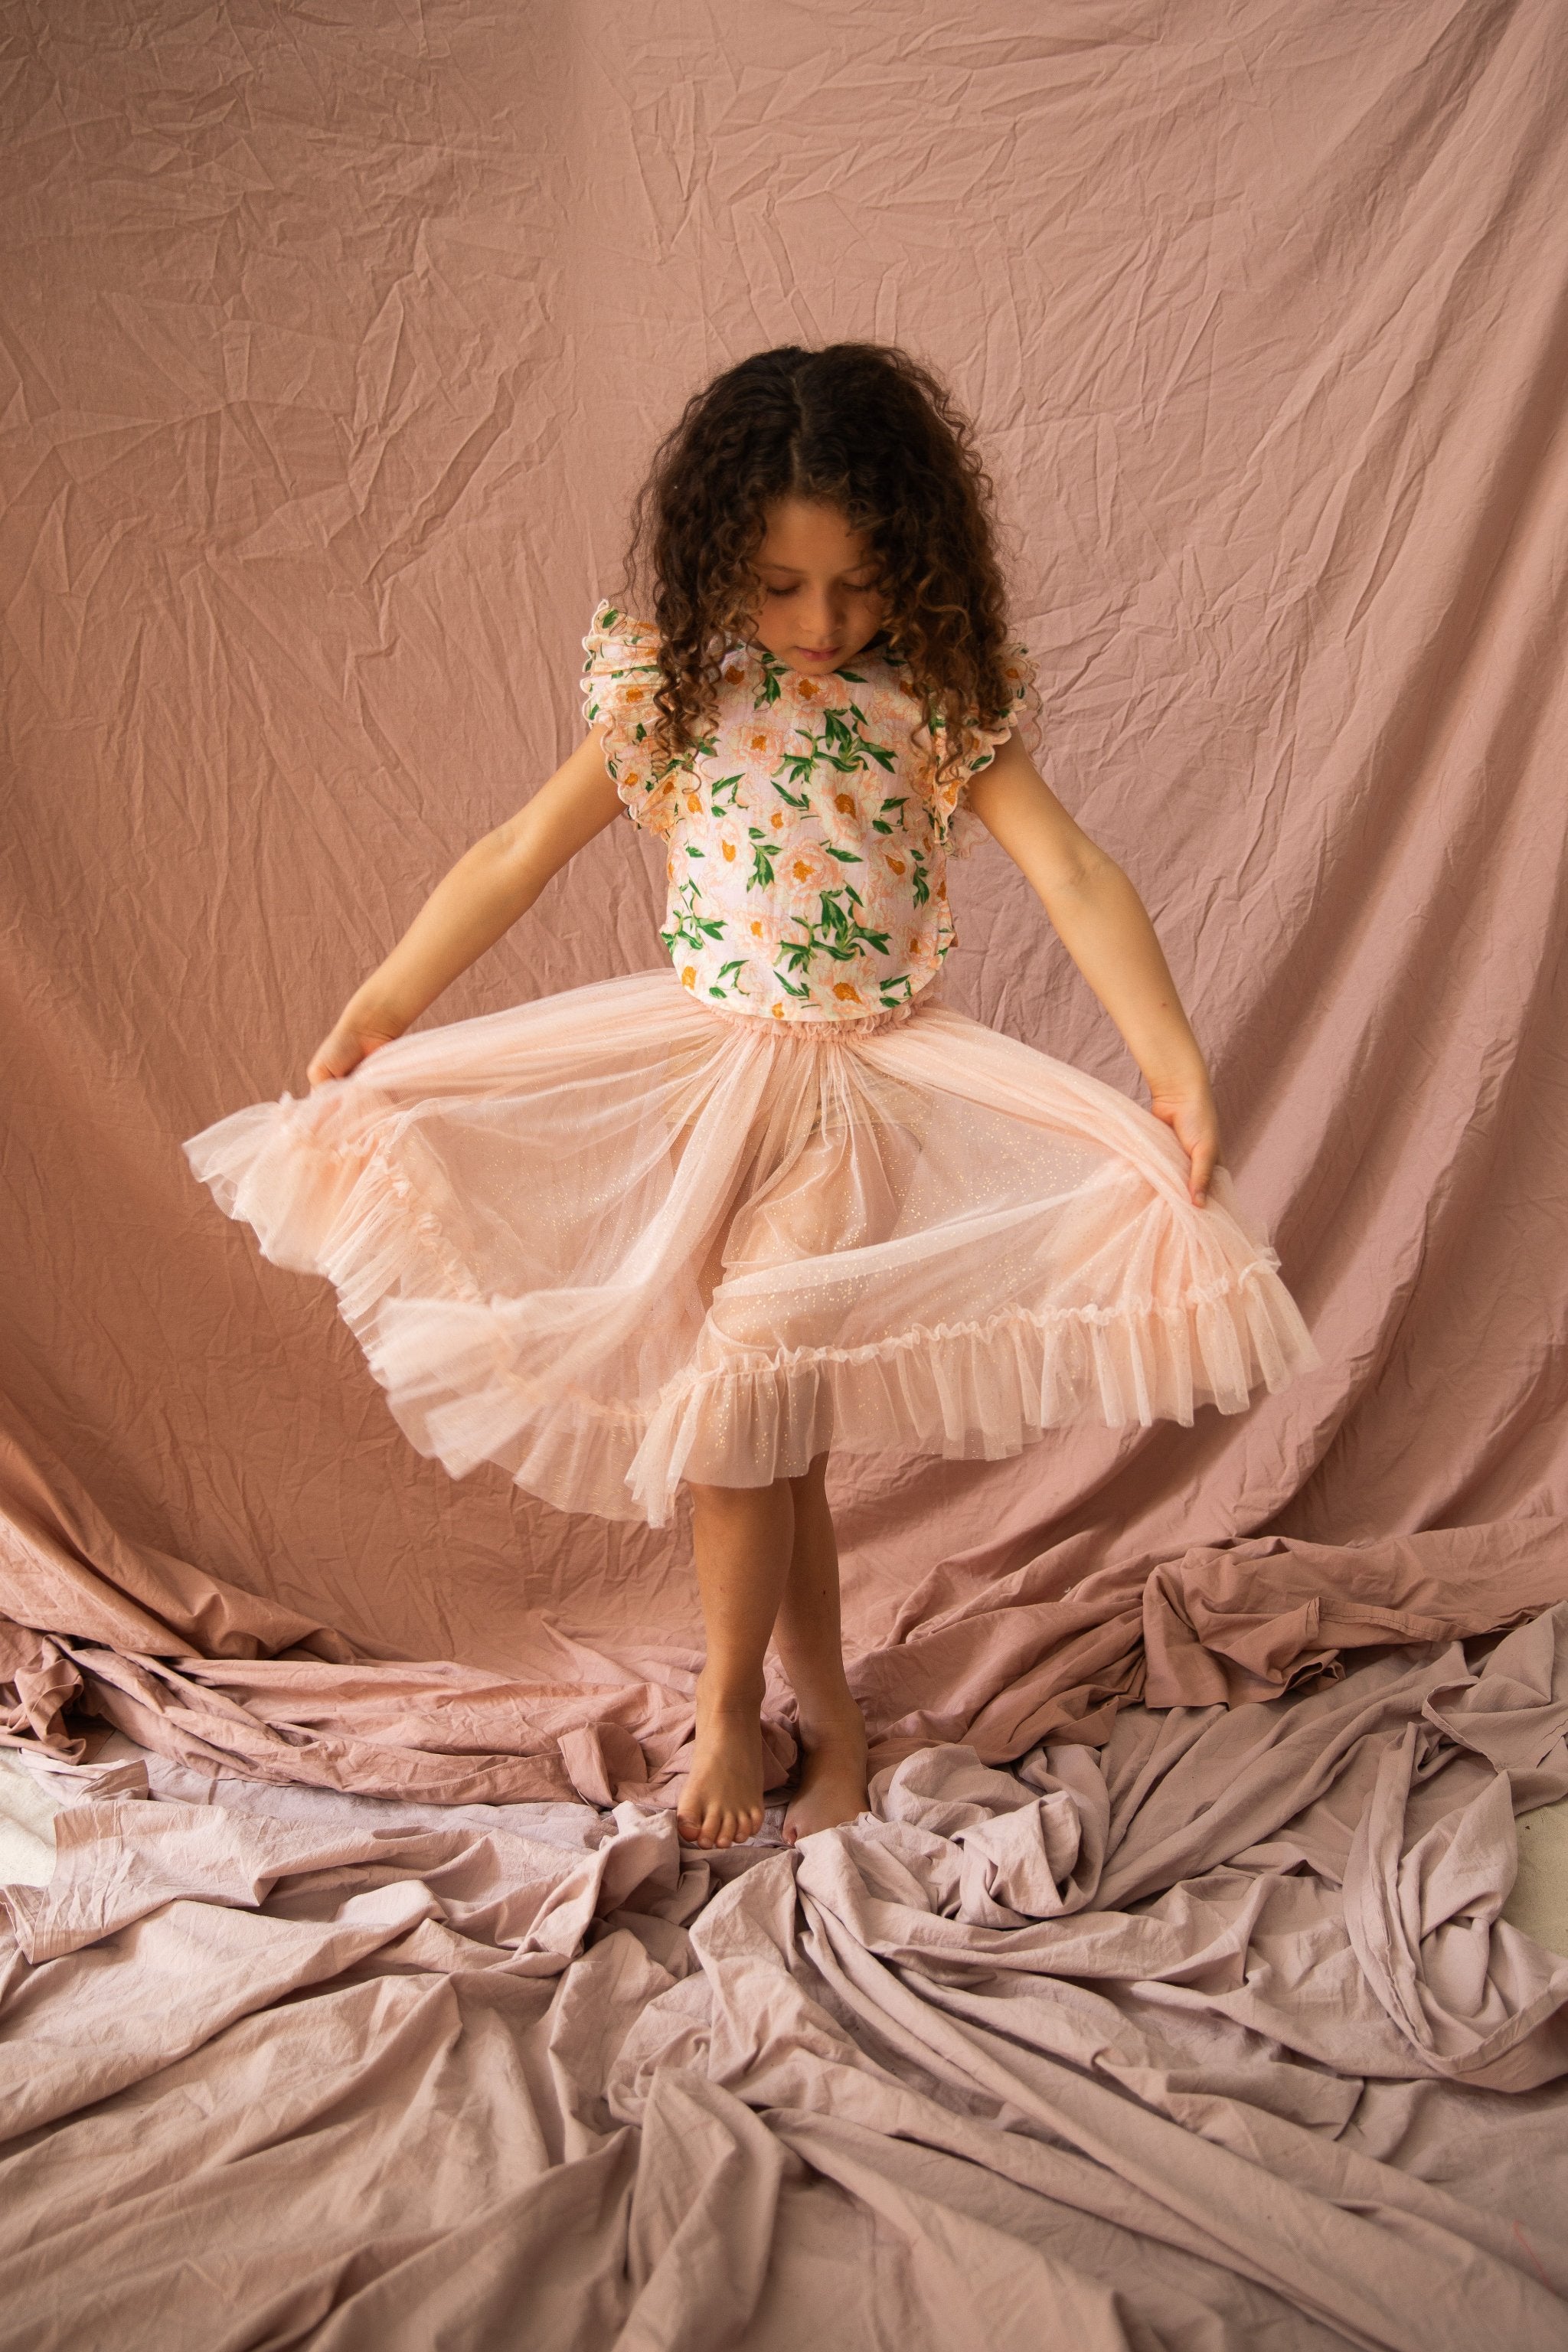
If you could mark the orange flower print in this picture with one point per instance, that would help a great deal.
(846, 803)
(808, 689)
(688, 976)
(846, 993)
(896, 864)
(778, 1013)
(776, 820)
(763, 742)
(729, 849)
(757, 929)
(693, 804)
(805, 868)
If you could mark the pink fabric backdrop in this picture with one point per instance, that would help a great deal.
(333, 356)
(333, 344)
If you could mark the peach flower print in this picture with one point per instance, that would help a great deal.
(847, 993)
(762, 740)
(805, 868)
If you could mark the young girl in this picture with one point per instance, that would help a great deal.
(701, 1223)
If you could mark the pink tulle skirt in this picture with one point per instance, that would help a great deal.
(615, 1239)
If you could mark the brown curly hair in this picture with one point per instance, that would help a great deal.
(859, 427)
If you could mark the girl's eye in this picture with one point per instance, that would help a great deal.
(856, 588)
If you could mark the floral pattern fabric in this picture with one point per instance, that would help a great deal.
(806, 836)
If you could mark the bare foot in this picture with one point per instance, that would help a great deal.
(833, 1780)
(722, 1798)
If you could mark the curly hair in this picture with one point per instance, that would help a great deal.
(859, 427)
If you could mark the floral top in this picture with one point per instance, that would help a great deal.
(806, 836)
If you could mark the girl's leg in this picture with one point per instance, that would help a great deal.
(810, 1647)
(744, 1539)
(767, 1560)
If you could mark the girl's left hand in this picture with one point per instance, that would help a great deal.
(1188, 1109)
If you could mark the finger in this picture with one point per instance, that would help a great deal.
(1204, 1156)
(332, 1060)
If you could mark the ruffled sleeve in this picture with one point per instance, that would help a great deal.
(953, 822)
(620, 679)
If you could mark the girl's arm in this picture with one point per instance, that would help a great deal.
(1101, 921)
(491, 885)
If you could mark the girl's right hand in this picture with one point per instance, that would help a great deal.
(347, 1046)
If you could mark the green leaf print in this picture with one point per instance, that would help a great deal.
(720, 785)
(837, 934)
(818, 755)
(804, 799)
(763, 853)
(690, 928)
(837, 731)
(727, 972)
(774, 673)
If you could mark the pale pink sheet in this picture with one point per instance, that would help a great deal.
(1212, 2037)
(333, 351)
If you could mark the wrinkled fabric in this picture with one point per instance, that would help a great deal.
(1036, 1657)
(1216, 2034)
(1256, 320)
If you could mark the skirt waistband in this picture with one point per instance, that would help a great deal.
(815, 1032)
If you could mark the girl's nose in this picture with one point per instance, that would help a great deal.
(821, 618)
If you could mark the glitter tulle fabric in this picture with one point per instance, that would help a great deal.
(615, 1239)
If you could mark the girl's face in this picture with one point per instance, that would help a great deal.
(819, 601)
